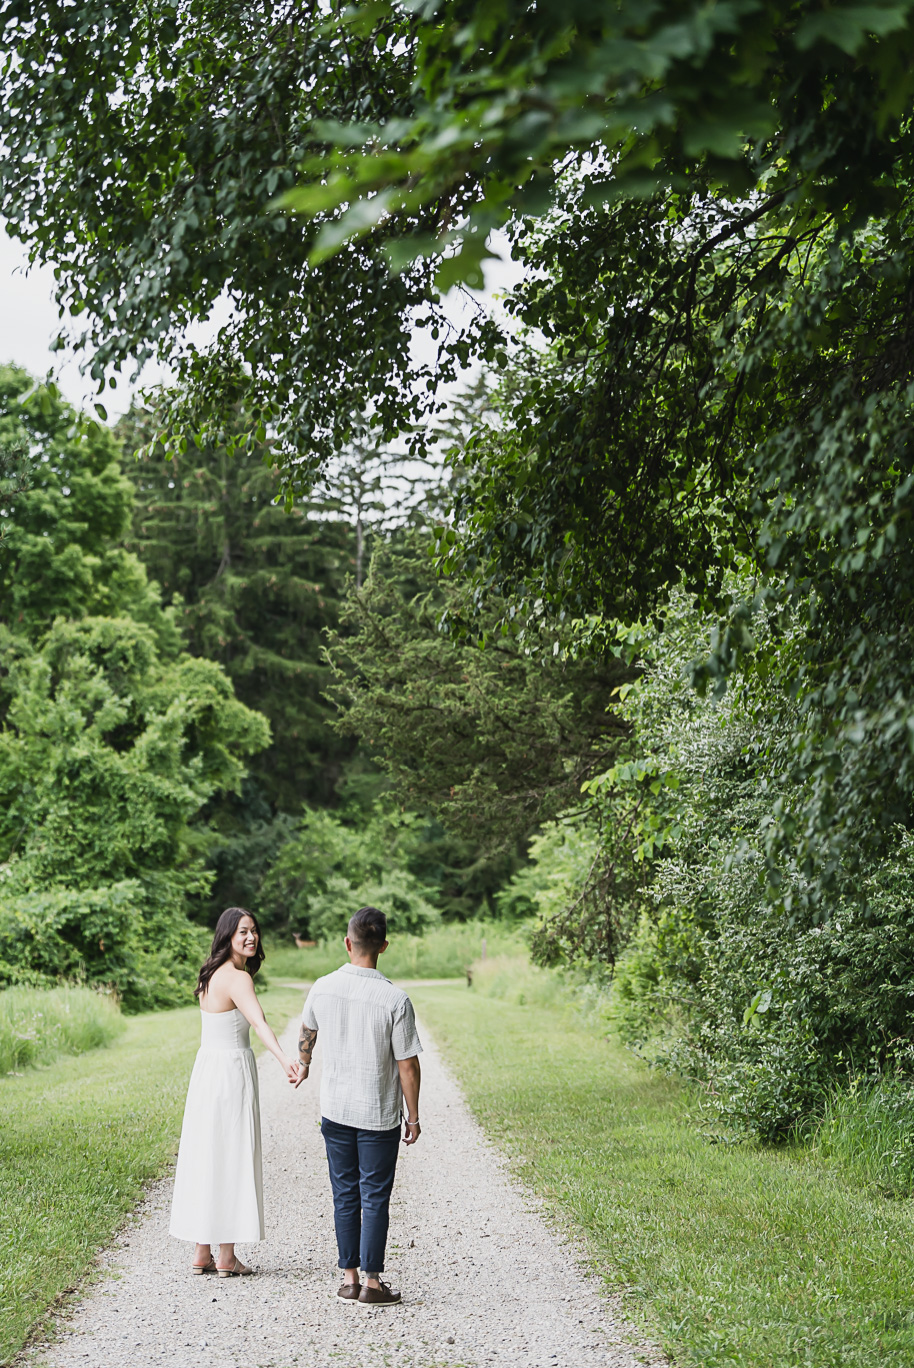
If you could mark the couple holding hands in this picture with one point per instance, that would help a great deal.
(370, 1055)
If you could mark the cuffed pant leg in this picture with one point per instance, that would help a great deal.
(342, 1147)
(378, 1152)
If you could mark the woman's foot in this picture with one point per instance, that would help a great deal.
(236, 1269)
(203, 1260)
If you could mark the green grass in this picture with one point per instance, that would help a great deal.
(442, 953)
(868, 1128)
(732, 1256)
(78, 1142)
(39, 1024)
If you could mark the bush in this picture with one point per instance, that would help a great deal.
(560, 857)
(129, 935)
(328, 870)
(38, 1024)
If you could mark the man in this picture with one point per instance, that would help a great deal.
(370, 1071)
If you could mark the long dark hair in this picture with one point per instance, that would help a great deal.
(221, 949)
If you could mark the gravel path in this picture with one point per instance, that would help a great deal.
(485, 1280)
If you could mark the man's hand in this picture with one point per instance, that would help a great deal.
(410, 1078)
(302, 1074)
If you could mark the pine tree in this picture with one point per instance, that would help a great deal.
(256, 586)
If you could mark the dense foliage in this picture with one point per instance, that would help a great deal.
(141, 148)
(765, 1004)
(254, 588)
(492, 741)
(327, 870)
(699, 470)
(112, 738)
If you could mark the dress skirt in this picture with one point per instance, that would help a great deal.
(218, 1196)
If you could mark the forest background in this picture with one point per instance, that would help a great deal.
(630, 666)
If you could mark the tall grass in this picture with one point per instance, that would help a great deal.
(868, 1128)
(38, 1024)
(445, 952)
(512, 978)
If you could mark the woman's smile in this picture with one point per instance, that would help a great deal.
(244, 941)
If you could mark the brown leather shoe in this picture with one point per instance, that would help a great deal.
(349, 1291)
(379, 1296)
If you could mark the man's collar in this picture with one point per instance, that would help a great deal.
(362, 969)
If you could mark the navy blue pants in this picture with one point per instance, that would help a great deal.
(362, 1164)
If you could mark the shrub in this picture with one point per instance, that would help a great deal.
(128, 935)
(328, 870)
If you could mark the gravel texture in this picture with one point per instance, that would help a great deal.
(485, 1280)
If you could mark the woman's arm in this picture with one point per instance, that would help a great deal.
(245, 998)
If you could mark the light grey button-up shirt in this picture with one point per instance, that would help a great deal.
(364, 1026)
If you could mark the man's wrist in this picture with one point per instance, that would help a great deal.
(411, 1123)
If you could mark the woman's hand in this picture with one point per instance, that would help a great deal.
(292, 1069)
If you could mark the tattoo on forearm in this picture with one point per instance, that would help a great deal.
(306, 1039)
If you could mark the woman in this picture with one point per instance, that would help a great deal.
(218, 1195)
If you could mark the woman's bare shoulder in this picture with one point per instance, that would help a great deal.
(224, 973)
(233, 980)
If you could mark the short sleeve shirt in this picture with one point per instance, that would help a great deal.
(365, 1025)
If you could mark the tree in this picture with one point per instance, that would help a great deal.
(326, 870)
(112, 739)
(145, 155)
(174, 131)
(107, 755)
(255, 588)
(723, 394)
(63, 532)
(490, 741)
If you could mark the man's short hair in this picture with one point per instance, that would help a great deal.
(368, 929)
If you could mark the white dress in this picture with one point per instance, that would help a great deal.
(218, 1196)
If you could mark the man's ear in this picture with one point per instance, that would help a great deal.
(348, 944)
(383, 947)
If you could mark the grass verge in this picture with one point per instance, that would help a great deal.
(443, 952)
(732, 1256)
(78, 1143)
(38, 1024)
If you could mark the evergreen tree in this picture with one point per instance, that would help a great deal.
(255, 586)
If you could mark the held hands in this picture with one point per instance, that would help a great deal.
(302, 1073)
(293, 1072)
(411, 1131)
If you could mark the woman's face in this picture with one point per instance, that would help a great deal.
(244, 941)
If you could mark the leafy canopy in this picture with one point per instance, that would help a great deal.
(148, 155)
(140, 151)
(112, 740)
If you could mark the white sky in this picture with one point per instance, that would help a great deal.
(29, 322)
